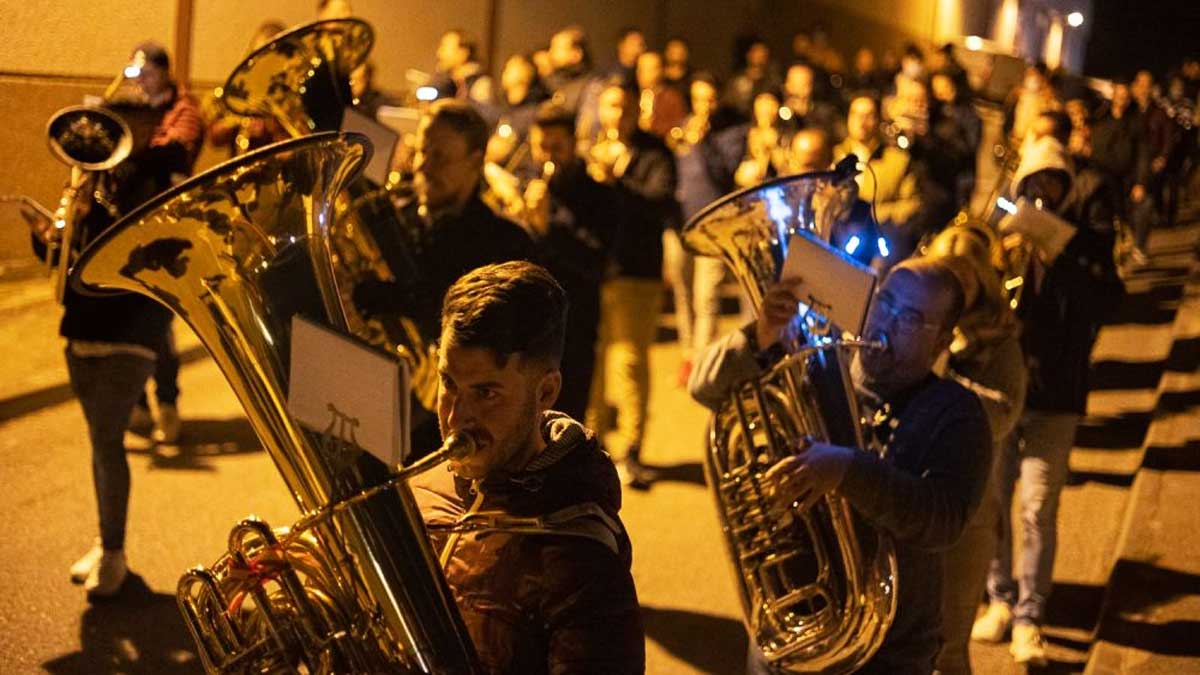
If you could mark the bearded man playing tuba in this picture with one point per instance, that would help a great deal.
(930, 479)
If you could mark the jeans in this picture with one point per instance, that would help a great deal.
(695, 284)
(1038, 453)
(629, 309)
(107, 388)
(166, 371)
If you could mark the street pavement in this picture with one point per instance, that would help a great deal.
(186, 497)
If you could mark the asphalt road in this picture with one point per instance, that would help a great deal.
(186, 498)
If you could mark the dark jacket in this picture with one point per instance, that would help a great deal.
(577, 249)
(647, 197)
(1061, 314)
(171, 149)
(1118, 144)
(426, 258)
(705, 170)
(923, 493)
(542, 599)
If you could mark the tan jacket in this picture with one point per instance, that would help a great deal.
(889, 182)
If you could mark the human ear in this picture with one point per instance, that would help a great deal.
(548, 389)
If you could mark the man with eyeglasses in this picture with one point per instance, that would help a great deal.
(932, 475)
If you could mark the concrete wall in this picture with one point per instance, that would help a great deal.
(79, 37)
(406, 32)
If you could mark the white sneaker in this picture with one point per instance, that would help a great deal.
(168, 424)
(994, 623)
(1028, 647)
(84, 566)
(107, 576)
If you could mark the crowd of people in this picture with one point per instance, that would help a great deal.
(591, 172)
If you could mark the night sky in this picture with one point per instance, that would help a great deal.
(1132, 34)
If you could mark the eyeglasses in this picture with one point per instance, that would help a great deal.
(908, 320)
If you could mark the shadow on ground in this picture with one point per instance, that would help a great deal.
(138, 632)
(200, 440)
(711, 644)
(686, 472)
(1137, 589)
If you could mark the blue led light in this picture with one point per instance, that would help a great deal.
(852, 245)
(883, 248)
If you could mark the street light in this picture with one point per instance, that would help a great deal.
(1075, 19)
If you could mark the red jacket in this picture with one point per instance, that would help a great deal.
(543, 583)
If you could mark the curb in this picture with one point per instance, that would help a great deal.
(1107, 658)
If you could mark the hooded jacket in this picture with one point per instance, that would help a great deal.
(1062, 311)
(538, 560)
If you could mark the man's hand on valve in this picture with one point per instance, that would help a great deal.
(801, 480)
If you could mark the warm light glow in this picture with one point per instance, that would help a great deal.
(974, 43)
(1075, 19)
(785, 113)
(426, 93)
(132, 72)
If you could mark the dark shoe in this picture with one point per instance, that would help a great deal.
(633, 474)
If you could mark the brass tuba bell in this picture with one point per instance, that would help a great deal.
(354, 586)
(818, 588)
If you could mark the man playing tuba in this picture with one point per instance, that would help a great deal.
(528, 527)
(932, 476)
(442, 233)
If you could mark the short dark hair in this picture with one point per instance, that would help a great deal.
(154, 53)
(942, 275)
(464, 119)
(552, 115)
(508, 308)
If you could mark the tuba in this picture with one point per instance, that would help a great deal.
(354, 586)
(301, 79)
(818, 588)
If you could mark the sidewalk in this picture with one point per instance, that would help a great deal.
(1150, 618)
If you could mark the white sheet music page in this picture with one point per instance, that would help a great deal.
(335, 378)
(834, 285)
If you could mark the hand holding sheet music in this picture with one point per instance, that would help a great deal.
(829, 283)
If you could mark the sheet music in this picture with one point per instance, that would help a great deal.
(335, 378)
(833, 285)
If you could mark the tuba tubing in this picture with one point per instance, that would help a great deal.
(818, 587)
(236, 252)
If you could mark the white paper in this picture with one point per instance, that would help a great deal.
(383, 141)
(831, 284)
(334, 379)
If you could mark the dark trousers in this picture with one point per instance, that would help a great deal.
(579, 352)
(107, 388)
(166, 371)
